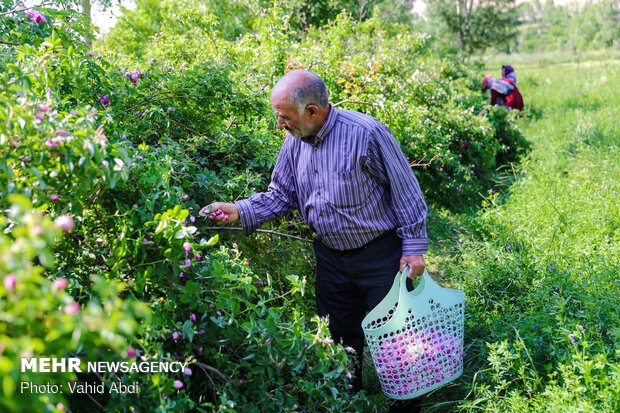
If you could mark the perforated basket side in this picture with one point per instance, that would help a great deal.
(416, 340)
(381, 315)
(384, 312)
(423, 355)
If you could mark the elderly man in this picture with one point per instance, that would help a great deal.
(351, 182)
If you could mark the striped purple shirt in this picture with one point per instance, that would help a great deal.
(352, 185)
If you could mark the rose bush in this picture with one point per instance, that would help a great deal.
(430, 103)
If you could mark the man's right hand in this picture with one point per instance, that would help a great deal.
(227, 208)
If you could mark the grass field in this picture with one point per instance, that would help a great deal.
(539, 262)
(542, 60)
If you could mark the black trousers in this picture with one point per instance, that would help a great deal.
(349, 284)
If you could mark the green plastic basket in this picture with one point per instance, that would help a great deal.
(416, 337)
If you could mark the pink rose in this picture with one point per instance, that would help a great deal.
(10, 282)
(72, 309)
(51, 144)
(35, 16)
(60, 283)
(65, 223)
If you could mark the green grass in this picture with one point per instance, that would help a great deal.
(546, 59)
(539, 263)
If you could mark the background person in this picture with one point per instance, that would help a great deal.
(504, 91)
(509, 73)
(344, 171)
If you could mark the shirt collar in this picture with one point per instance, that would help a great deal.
(329, 123)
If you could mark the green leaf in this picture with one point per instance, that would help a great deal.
(39, 177)
(188, 330)
(192, 288)
(182, 233)
(334, 393)
(185, 232)
(46, 258)
(212, 241)
(161, 226)
(20, 200)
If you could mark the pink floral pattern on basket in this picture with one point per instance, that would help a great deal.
(426, 353)
(410, 363)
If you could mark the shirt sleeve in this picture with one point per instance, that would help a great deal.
(273, 204)
(386, 162)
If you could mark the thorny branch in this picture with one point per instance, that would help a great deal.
(25, 8)
(352, 101)
(192, 130)
(419, 162)
(266, 231)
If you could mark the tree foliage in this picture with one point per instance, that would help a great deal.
(474, 26)
(573, 27)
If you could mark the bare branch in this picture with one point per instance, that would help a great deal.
(192, 130)
(217, 372)
(210, 379)
(26, 8)
(232, 122)
(94, 401)
(284, 386)
(314, 63)
(146, 102)
(261, 230)
(352, 101)
(419, 162)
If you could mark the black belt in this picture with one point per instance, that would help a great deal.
(386, 234)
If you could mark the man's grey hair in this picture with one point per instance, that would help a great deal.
(311, 92)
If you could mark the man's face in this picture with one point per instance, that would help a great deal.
(289, 118)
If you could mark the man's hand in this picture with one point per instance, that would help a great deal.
(231, 211)
(416, 265)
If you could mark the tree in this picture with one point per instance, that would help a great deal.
(86, 6)
(477, 24)
(101, 5)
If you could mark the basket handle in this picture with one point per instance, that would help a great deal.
(426, 287)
